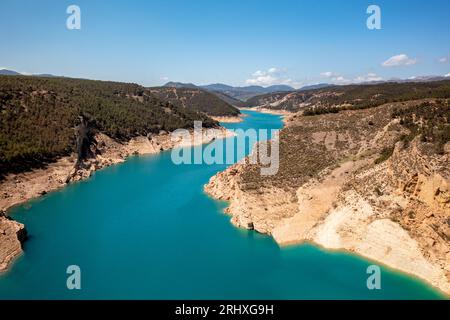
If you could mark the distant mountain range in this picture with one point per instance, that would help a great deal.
(316, 86)
(243, 94)
(419, 79)
(6, 72)
(237, 96)
(181, 85)
(239, 93)
(329, 99)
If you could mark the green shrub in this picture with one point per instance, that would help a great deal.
(386, 153)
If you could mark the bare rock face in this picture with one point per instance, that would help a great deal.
(332, 189)
(259, 210)
(12, 235)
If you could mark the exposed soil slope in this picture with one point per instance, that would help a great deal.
(367, 181)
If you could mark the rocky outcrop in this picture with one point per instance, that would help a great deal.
(395, 211)
(260, 210)
(335, 214)
(12, 235)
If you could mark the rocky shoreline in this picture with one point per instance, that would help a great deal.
(229, 119)
(12, 235)
(396, 212)
(323, 214)
(19, 188)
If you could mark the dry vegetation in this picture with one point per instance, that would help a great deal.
(375, 181)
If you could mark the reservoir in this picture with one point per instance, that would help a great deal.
(144, 229)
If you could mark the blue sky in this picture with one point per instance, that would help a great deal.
(237, 42)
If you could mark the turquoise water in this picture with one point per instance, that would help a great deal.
(145, 229)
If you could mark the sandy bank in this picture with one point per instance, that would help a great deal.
(236, 119)
(269, 111)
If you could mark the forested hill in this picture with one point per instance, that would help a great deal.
(195, 99)
(335, 98)
(38, 116)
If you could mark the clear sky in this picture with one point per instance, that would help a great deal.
(237, 42)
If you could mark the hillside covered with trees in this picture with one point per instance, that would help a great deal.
(351, 97)
(195, 99)
(39, 116)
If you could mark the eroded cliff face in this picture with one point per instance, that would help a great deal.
(12, 234)
(395, 211)
(260, 210)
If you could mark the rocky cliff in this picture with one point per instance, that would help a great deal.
(12, 234)
(356, 181)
